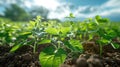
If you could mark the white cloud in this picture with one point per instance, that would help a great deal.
(112, 3)
(108, 8)
(28, 4)
(81, 8)
(60, 13)
(4, 2)
(110, 12)
(55, 15)
(86, 11)
(52, 4)
(57, 9)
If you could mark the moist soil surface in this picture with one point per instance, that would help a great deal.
(24, 57)
(110, 57)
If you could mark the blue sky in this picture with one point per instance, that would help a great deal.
(85, 2)
(80, 8)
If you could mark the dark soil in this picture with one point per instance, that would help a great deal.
(91, 57)
(94, 60)
(23, 57)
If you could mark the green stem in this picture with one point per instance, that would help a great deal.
(58, 44)
(35, 45)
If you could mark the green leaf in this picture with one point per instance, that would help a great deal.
(24, 35)
(51, 57)
(104, 41)
(32, 23)
(51, 30)
(65, 30)
(38, 17)
(74, 45)
(115, 45)
(71, 15)
(98, 17)
(44, 41)
(2, 34)
(15, 48)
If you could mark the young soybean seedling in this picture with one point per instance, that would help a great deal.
(39, 34)
(36, 32)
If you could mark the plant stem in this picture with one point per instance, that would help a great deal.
(34, 47)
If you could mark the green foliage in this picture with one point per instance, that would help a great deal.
(16, 47)
(51, 30)
(15, 13)
(51, 57)
(115, 45)
(101, 20)
(45, 41)
(63, 38)
(74, 45)
(71, 15)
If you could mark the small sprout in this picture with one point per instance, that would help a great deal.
(71, 15)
